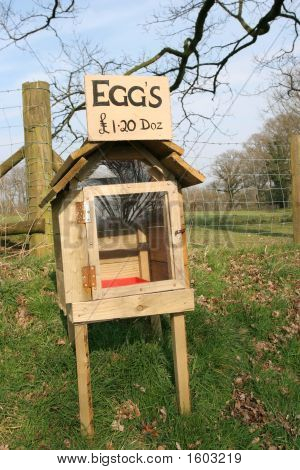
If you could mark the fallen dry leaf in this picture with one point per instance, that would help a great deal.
(150, 429)
(241, 380)
(194, 445)
(67, 443)
(22, 316)
(60, 342)
(140, 388)
(128, 410)
(109, 446)
(30, 377)
(163, 414)
(178, 446)
(275, 314)
(247, 408)
(4, 447)
(117, 426)
(255, 440)
(161, 448)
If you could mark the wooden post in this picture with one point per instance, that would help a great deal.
(295, 166)
(180, 362)
(38, 156)
(180, 355)
(84, 379)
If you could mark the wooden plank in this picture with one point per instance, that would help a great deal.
(295, 167)
(184, 240)
(175, 221)
(159, 271)
(124, 268)
(145, 287)
(74, 249)
(71, 331)
(158, 243)
(180, 355)
(60, 290)
(132, 306)
(64, 181)
(84, 379)
(150, 158)
(185, 174)
(12, 161)
(144, 269)
(122, 151)
(84, 151)
(162, 148)
(151, 121)
(156, 173)
(168, 229)
(181, 362)
(130, 188)
(92, 246)
(57, 161)
(24, 227)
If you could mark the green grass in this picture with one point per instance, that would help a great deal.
(240, 227)
(242, 338)
(234, 228)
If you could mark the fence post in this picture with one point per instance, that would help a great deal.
(295, 166)
(38, 157)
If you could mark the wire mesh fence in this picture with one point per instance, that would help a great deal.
(13, 199)
(246, 199)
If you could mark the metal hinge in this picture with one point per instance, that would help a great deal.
(89, 276)
(83, 212)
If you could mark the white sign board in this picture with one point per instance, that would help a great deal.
(127, 108)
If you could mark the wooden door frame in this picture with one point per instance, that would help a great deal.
(176, 251)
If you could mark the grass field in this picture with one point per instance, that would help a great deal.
(229, 228)
(244, 351)
(240, 228)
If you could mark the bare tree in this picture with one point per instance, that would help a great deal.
(16, 25)
(13, 192)
(228, 171)
(194, 57)
(284, 97)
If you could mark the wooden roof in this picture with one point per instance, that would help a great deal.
(166, 152)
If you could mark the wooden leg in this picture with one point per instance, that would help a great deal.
(156, 326)
(84, 379)
(181, 362)
(71, 332)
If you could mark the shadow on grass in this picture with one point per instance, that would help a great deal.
(113, 335)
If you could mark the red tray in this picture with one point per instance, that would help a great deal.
(123, 281)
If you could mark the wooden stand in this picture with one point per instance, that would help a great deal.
(79, 334)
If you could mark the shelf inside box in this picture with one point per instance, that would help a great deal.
(124, 281)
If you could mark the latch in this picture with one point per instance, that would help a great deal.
(83, 212)
(89, 276)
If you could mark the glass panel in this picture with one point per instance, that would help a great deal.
(133, 238)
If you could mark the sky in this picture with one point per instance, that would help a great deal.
(118, 27)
